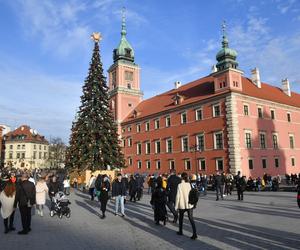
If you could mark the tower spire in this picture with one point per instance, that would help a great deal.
(123, 31)
(225, 40)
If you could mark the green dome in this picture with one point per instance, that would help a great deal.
(226, 52)
(226, 56)
(124, 50)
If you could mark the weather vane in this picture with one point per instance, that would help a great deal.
(96, 36)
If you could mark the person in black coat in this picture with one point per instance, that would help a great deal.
(132, 188)
(172, 185)
(25, 199)
(119, 193)
(158, 202)
(219, 183)
(103, 198)
(240, 183)
(54, 188)
(140, 186)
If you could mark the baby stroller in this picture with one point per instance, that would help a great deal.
(60, 206)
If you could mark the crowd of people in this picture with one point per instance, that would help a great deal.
(177, 192)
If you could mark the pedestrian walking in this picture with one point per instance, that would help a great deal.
(240, 183)
(172, 185)
(67, 185)
(41, 190)
(54, 188)
(158, 202)
(219, 183)
(7, 199)
(182, 204)
(91, 187)
(25, 199)
(103, 197)
(132, 188)
(119, 193)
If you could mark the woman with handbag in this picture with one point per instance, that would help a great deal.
(7, 199)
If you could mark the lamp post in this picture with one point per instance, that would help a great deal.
(196, 148)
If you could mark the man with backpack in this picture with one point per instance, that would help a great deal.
(172, 185)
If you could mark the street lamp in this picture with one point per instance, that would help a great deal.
(196, 148)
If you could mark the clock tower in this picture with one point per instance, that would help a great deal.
(124, 80)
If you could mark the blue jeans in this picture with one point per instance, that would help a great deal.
(119, 200)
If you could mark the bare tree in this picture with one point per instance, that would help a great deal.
(57, 152)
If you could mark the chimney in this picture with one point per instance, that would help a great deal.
(177, 84)
(255, 77)
(286, 87)
(213, 69)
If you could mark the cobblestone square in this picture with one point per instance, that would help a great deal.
(267, 220)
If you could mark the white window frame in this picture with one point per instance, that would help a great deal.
(129, 142)
(167, 148)
(148, 164)
(197, 141)
(293, 158)
(155, 143)
(181, 117)
(262, 166)
(277, 136)
(170, 164)
(248, 132)
(262, 112)
(271, 114)
(217, 167)
(156, 164)
(156, 122)
(246, 104)
(265, 135)
(139, 164)
(278, 158)
(196, 114)
(185, 164)
(215, 140)
(146, 148)
(251, 159)
(214, 110)
(200, 160)
(182, 143)
(166, 121)
(138, 128)
(129, 161)
(292, 136)
(129, 128)
(287, 115)
(147, 126)
(138, 151)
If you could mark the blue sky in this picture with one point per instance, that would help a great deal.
(45, 48)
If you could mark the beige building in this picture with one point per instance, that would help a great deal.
(25, 148)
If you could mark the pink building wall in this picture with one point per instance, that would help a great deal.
(280, 126)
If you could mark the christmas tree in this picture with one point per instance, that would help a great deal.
(94, 143)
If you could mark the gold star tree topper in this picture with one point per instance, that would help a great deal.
(96, 36)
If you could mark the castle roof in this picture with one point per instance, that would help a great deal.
(203, 89)
(25, 134)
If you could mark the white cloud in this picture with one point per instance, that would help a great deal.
(275, 55)
(285, 5)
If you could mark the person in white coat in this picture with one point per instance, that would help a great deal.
(7, 199)
(41, 189)
(182, 204)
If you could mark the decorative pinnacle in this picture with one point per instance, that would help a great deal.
(225, 40)
(123, 32)
(96, 36)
